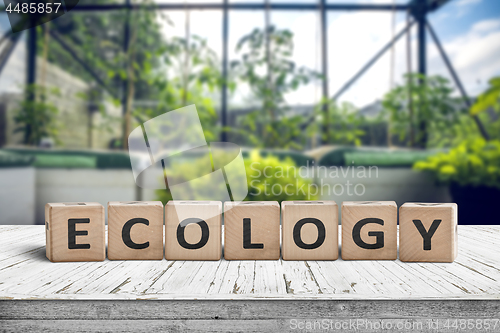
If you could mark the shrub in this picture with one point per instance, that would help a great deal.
(473, 162)
(267, 178)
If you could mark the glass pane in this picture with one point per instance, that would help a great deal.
(470, 34)
(305, 29)
(242, 97)
(354, 38)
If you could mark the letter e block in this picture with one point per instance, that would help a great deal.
(135, 230)
(310, 230)
(369, 230)
(193, 230)
(252, 230)
(75, 231)
(428, 232)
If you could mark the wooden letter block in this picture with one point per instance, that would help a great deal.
(193, 230)
(135, 230)
(369, 230)
(428, 232)
(252, 230)
(75, 231)
(310, 230)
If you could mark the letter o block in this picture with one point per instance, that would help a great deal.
(75, 231)
(310, 230)
(428, 232)
(252, 230)
(193, 230)
(369, 230)
(135, 230)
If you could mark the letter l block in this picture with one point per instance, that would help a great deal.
(74, 232)
(252, 230)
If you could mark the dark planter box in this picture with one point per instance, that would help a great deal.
(477, 205)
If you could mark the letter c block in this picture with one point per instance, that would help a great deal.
(135, 230)
(310, 230)
(369, 230)
(193, 230)
(74, 231)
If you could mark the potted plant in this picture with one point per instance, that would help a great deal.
(472, 168)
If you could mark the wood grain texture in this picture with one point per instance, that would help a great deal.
(355, 211)
(326, 214)
(241, 316)
(208, 211)
(151, 234)
(26, 274)
(442, 246)
(86, 219)
(264, 217)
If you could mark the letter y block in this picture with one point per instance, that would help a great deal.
(428, 232)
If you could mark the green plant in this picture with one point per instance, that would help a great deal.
(489, 100)
(36, 116)
(473, 162)
(190, 74)
(268, 178)
(267, 68)
(343, 123)
(421, 108)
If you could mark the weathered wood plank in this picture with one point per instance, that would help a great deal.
(26, 273)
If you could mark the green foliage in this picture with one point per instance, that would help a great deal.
(433, 115)
(473, 162)
(278, 176)
(343, 123)
(489, 99)
(267, 68)
(190, 74)
(270, 178)
(38, 114)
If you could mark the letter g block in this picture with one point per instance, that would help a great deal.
(369, 230)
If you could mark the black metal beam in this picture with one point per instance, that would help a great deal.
(70, 50)
(372, 61)
(30, 74)
(225, 38)
(456, 79)
(126, 44)
(420, 12)
(324, 69)
(240, 6)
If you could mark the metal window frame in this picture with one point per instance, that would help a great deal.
(418, 8)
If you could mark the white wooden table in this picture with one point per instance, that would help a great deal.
(239, 295)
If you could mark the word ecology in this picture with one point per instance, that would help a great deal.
(193, 231)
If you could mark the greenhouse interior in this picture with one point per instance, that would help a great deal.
(352, 100)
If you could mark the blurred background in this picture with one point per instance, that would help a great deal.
(366, 99)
